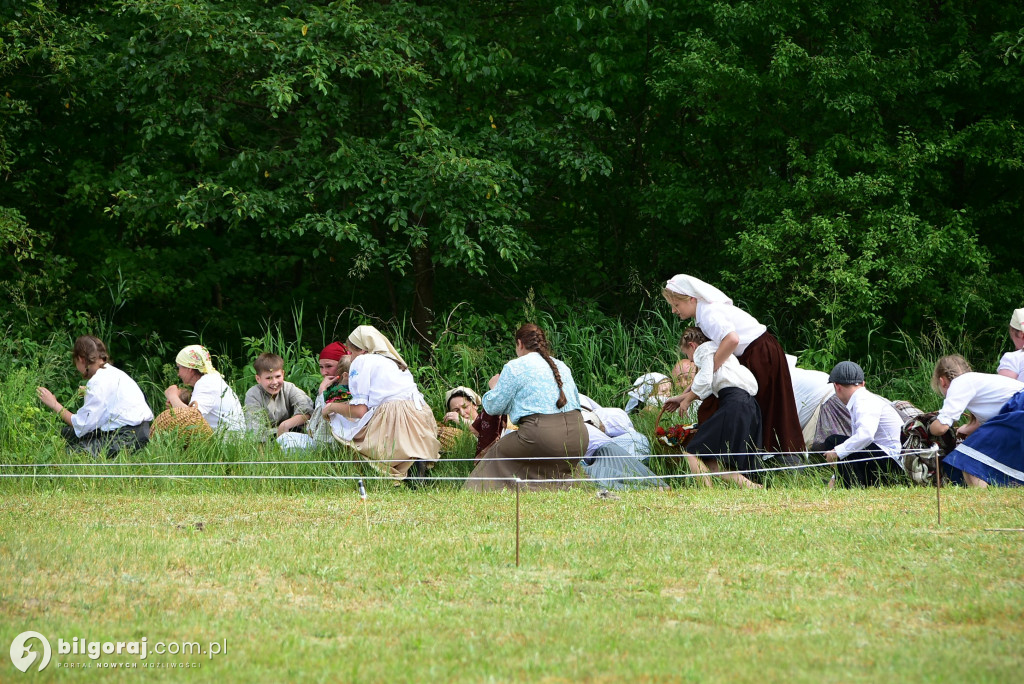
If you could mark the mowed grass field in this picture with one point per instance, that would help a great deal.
(792, 583)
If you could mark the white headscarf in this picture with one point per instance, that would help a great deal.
(1017, 320)
(473, 396)
(371, 341)
(695, 287)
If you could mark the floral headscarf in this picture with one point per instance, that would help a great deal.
(196, 356)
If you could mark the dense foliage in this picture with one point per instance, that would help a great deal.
(847, 170)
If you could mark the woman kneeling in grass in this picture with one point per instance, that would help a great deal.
(394, 428)
(538, 394)
(732, 434)
(993, 452)
(114, 417)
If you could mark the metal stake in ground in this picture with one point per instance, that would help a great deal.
(517, 522)
(366, 515)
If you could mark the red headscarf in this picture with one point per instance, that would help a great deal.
(334, 351)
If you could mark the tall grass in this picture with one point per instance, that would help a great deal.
(604, 353)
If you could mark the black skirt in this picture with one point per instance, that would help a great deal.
(732, 433)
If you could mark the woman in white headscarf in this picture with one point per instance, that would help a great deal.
(737, 332)
(396, 429)
(1012, 363)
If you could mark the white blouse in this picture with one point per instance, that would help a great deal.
(983, 394)
(731, 374)
(218, 403)
(373, 380)
(1013, 361)
(719, 319)
(112, 400)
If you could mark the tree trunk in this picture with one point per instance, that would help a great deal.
(423, 299)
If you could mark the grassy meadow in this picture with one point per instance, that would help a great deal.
(792, 583)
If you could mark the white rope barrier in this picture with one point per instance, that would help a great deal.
(123, 464)
(428, 478)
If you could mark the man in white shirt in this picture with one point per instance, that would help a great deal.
(875, 427)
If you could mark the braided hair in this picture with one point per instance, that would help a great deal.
(533, 340)
(90, 349)
(949, 367)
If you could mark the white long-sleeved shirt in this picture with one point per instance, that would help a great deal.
(873, 419)
(983, 394)
(218, 403)
(112, 400)
(719, 319)
(730, 374)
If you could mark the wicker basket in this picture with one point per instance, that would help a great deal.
(187, 421)
(448, 436)
(665, 443)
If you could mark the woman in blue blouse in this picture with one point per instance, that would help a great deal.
(538, 394)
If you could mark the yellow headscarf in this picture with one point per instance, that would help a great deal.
(196, 357)
(371, 341)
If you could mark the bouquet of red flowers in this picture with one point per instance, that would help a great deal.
(675, 436)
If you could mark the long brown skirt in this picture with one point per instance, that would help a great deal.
(546, 446)
(779, 417)
(398, 434)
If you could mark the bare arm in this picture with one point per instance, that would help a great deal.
(46, 396)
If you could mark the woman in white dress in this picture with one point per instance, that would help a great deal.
(395, 428)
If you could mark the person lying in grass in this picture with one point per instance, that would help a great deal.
(114, 416)
(993, 452)
(731, 436)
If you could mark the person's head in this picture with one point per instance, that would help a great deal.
(682, 305)
(682, 292)
(530, 338)
(948, 369)
(1017, 328)
(846, 378)
(89, 354)
(193, 363)
(463, 401)
(269, 373)
(366, 339)
(691, 339)
(342, 367)
(329, 358)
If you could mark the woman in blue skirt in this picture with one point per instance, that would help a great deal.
(993, 452)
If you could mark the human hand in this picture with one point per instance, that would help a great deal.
(171, 391)
(454, 417)
(831, 457)
(281, 429)
(46, 396)
(494, 380)
(327, 382)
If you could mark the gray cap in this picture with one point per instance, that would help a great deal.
(847, 373)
